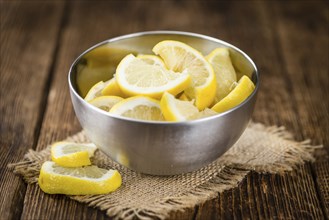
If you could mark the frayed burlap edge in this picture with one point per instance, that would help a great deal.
(229, 176)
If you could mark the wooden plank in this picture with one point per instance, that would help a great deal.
(28, 37)
(253, 30)
(305, 45)
(264, 196)
(321, 171)
(303, 40)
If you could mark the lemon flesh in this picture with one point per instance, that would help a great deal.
(224, 71)
(242, 91)
(96, 90)
(139, 107)
(69, 154)
(105, 102)
(151, 59)
(203, 114)
(136, 77)
(176, 110)
(55, 179)
(180, 57)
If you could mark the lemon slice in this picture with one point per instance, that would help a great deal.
(70, 154)
(183, 97)
(240, 92)
(151, 59)
(224, 71)
(180, 57)
(96, 90)
(113, 89)
(136, 77)
(176, 110)
(203, 114)
(105, 102)
(139, 107)
(55, 179)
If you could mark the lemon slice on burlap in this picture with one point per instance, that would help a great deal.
(176, 110)
(55, 179)
(105, 102)
(137, 77)
(242, 90)
(139, 107)
(180, 57)
(70, 154)
(224, 71)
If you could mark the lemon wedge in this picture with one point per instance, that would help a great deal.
(241, 91)
(139, 107)
(203, 114)
(180, 57)
(151, 59)
(105, 102)
(55, 179)
(70, 154)
(112, 89)
(137, 77)
(176, 110)
(224, 71)
(96, 90)
(183, 97)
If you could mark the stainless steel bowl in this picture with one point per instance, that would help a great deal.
(160, 148)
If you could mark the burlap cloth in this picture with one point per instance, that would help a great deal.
(260, 148)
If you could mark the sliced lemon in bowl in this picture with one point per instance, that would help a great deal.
(224, 71)
(139, 107)
(105, 102)
(240, 92)
(55, 179)
(96, 90)
(151, 59)
(183, 97)
(69, 154)
(180, 57)
(177, 110)
(112, 89)
(203, 114)
(137, 77)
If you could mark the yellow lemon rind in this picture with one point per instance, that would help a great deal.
(54, 183)
(240, 93)
(76, 159)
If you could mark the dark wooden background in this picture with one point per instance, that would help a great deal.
(288, 40)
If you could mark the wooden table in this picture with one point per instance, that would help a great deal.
(287, 40)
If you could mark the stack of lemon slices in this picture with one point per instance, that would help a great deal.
(176, 84)
(70, 172)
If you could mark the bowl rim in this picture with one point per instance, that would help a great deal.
(160, 32)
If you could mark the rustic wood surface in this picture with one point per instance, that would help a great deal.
(288, 40)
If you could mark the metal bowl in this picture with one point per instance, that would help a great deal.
(159, 148)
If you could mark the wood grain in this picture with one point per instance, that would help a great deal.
(321, 172)
(27, 47)
(303, 42)
(294, 92)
